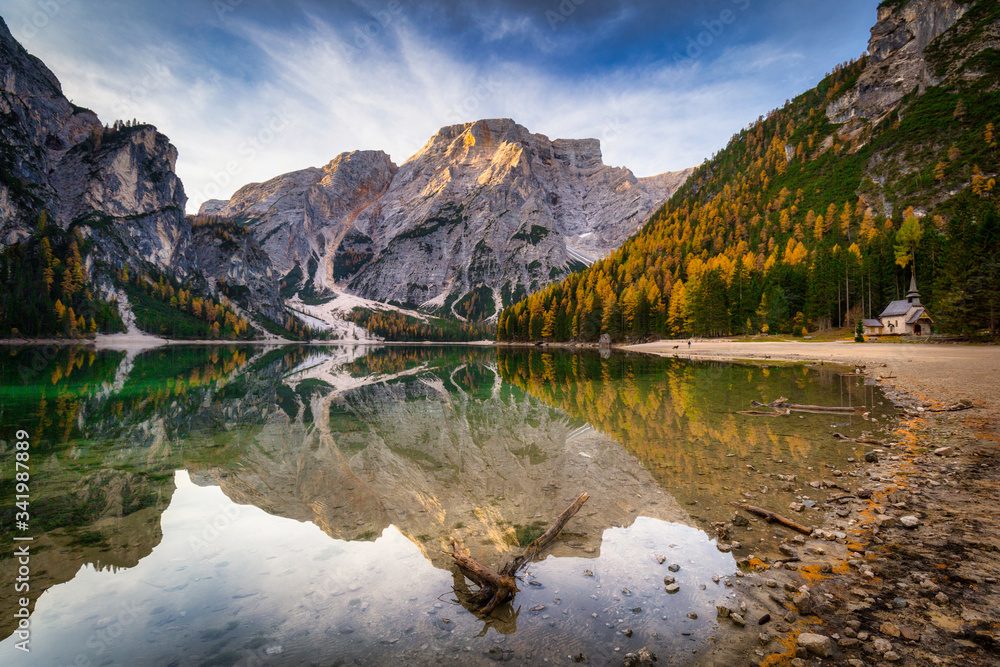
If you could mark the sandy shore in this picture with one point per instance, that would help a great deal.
(905, 563)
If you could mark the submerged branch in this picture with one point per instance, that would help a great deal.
(759, 413)
(863, 441)
(782, 403)
(496, 588)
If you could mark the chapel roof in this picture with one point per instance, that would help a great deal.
(895, 308)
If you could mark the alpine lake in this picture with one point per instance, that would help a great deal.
(246, 505)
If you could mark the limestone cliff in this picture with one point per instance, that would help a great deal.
(897, 64)
(486, 209)
(116, 185)
(314, 216)
(59, 158)
(923, 56)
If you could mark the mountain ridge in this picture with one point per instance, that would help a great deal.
(93, 204)
(437, 230)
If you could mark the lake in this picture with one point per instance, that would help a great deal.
(250, 506)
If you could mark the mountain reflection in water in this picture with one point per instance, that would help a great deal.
(315, 489)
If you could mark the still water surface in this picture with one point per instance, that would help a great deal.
(240, 506)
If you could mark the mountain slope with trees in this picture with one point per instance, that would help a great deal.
(815, 215)
(82, 204)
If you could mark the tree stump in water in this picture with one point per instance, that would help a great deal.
(498, 587)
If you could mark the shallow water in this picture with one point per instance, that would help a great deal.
(200, 506)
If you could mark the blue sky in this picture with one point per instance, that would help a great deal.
(249, 89)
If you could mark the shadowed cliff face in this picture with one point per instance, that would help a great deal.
(485, 205)
(116, 185)
(314, 214)
(60, 158)
(897, 63)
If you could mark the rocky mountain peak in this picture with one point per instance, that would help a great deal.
(896, 63)
(478, 138)
(485, 208)
(358, 163)
(116, 185)
(502, 139)
(365, 173)
(911, 26)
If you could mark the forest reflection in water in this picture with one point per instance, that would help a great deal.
(386, 452)
(681, 419)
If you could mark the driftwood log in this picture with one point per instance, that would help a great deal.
(761, 413)
(772, 516)
(783, 404)
(956, 407)
(498, 587)
(863, 441)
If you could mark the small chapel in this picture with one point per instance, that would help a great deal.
(904, 317)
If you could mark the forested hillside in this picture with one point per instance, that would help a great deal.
(800, 222)
(46, 291)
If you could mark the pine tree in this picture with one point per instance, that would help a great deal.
(48, 272)
(959, 113)
(846, 218)
(939, 170)
(980, 184)
(549, 323)
(68, 287)
(907, 239)
(678, 304)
